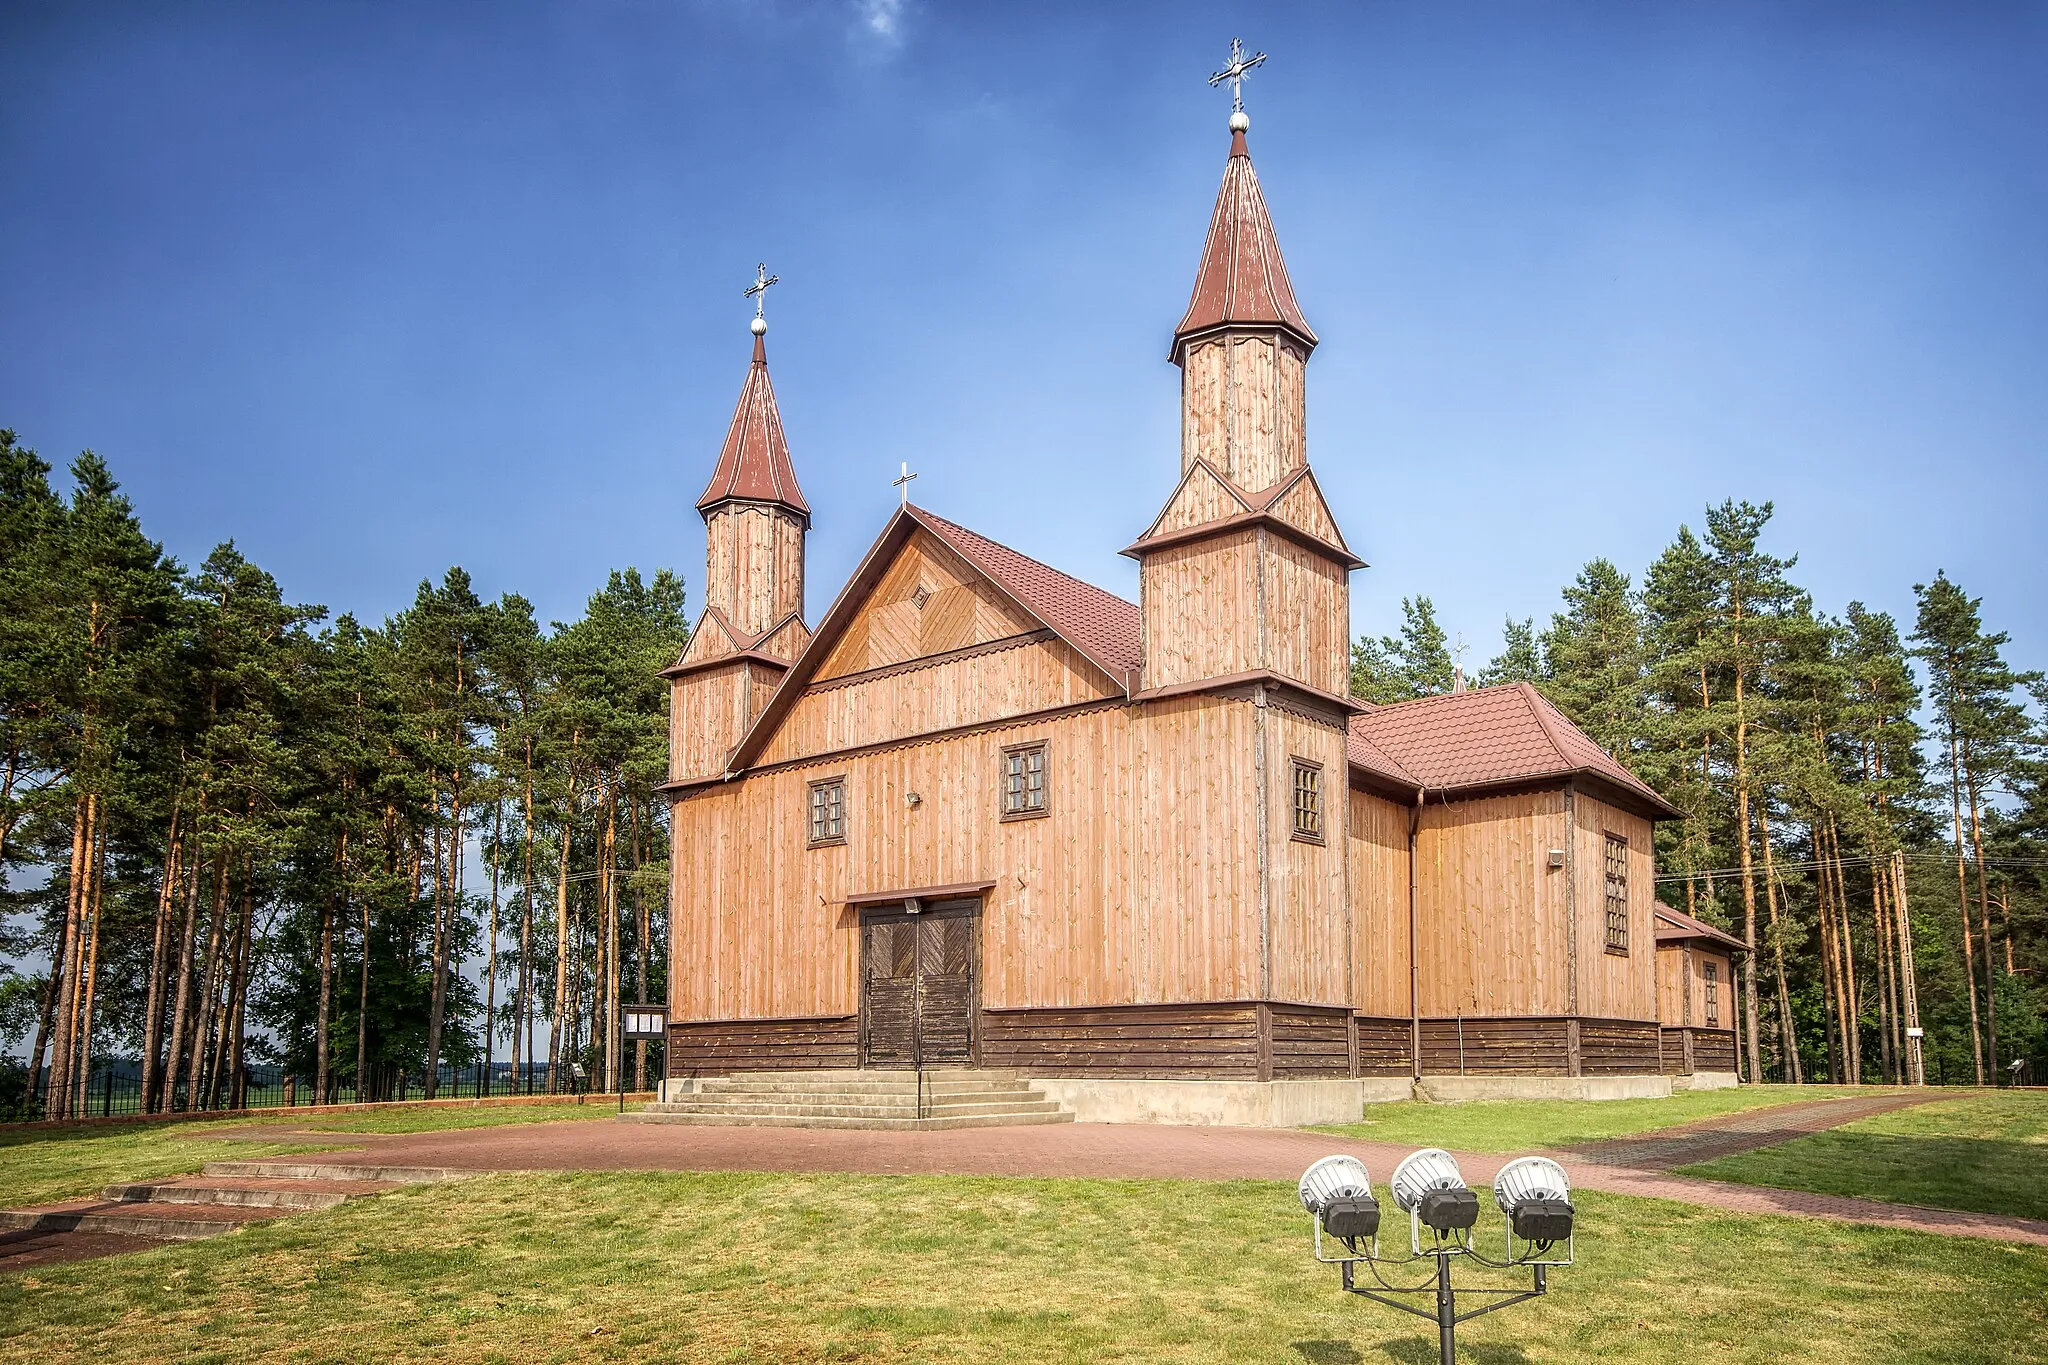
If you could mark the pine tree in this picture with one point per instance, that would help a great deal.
(1416, 663)
(1520, 658)
(1595, 658)
(1982, 729)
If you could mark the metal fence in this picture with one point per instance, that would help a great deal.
(117, 1089)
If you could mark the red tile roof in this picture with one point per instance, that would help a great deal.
(1676, 925)
(1101, 625)
(754, 463)
(1487, 737)
(1242, 277)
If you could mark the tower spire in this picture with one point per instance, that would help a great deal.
(754, 464)
(1242, 278)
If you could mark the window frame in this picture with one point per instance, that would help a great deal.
(1297, 769)
(1711, 979)
(1617, 936)
(811, 790)
(1043, 748)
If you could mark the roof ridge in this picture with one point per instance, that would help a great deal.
(1539, 707)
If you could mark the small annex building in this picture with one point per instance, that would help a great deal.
(988, 814)
(1696, 997)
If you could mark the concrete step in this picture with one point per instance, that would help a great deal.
(763, 1086)
(853, 1109)
(905, 1074)
(836, 1095)
(246, 1192)
(166, 1222)
(330, 1170)
(743, 1119)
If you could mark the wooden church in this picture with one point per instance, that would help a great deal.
(985, 814)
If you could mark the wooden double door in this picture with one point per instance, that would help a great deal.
(919, 985)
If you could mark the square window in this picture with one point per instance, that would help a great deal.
(1023, 795)
(1308, 800)
(828, 812)
(1617, 894)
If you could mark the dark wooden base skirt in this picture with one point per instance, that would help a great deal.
(1238, 1040)
(719, 1048)
(1540, 1047)
(1712, 1049)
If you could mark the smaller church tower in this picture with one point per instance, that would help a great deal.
(752, 627)
(1244, 571)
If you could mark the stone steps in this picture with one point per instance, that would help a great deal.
(860, 1099)
(228, 1196)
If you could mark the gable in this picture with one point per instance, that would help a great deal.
(1302, 507)
(712, 639)
(1201, 498)
(928, 601)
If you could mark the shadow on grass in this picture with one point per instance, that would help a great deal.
(1423, 1351)
(1972, 1175)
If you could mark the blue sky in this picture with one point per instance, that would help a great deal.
(380, 288)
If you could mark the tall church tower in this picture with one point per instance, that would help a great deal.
(1245, 570)
(752, 627)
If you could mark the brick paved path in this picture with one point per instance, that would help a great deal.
(1634, 1166)
(1728, 1134)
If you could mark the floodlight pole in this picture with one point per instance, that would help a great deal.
(1446, 1314)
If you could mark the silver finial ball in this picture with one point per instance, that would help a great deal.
(760, 327)
(1240, 122)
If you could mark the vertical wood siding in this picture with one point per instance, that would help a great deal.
(1379, 907)
(754, 565)
(1139, 886)
(1199, 500)
(1493, 911)
(1611, 985)
(1308, 616)
(1242, 399)
(1310, 930)
(1034, 674)
(1201, 610)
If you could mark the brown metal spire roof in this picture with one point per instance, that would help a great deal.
(754, 465)
(1242, 278)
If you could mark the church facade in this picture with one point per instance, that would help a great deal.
(987, 814)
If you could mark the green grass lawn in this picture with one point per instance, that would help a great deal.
(1984, 1154)
(738, 1268)
(43, 1165)
(1524, 1125)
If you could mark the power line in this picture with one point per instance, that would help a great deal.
(1858, 860)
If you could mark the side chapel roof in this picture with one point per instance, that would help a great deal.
(1242, 277)
(1486, 737)
(754, 463)
(1675, 926)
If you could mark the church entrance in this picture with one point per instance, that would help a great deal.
(918, 984)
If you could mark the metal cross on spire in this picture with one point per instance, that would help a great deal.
(1240, 67)
(758, 290)
(904, 483)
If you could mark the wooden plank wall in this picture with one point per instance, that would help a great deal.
(1242, 403)
(1210, 1042)
(1200, 499)
(1307, 1042)
(960, 609)
(754, 565)
(1033, 673)
(1384, 1047)
(708, 712)
(1141, 886)
(1492, 910)
(1311, 941)
(1611, 985)
(1671, 985)
(1618, 1047)
(718, 1049)
(1308, 611)
(1201, 609)
(1379, 906)
(1498, 1047)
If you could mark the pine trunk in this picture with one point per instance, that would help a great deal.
(1788, 1037)
(159, 967)
(1955, 784)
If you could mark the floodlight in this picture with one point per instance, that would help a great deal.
(1429, 1185)
(1337, 1192)
(1535, 1195)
